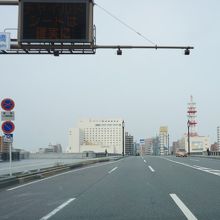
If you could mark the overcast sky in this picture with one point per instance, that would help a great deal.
(147, 88)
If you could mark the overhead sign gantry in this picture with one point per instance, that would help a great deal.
(58, 27)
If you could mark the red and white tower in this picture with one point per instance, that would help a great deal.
(192, 117)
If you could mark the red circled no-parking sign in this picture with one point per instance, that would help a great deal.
(7, 104)
(8, 127)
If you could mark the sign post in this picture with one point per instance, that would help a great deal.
(8, 126)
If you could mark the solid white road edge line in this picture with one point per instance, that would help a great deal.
(60, 174)
(57, 209)
(113, 170)
(211, 171)
(151, 169)
(189, 215)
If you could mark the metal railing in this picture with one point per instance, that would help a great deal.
(214, 153)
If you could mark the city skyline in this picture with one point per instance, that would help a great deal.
(147, 88)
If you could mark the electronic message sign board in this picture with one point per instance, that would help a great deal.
(55, 21)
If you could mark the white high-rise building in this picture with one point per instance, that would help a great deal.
(97, 135)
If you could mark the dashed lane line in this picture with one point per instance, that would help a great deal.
(189, 215)
(115, 168)
(151, 169)
(49, 215)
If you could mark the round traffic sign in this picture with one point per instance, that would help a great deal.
(8, 127)
(7, 104)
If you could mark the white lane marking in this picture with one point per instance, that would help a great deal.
(113, 170)
(194, 160)
(60, 174)
(189, 215)
(145, 161)
(151, 169)
(208, 170)
(57, 209)
(204, 169)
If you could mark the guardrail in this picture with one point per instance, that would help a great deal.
(215, 153)
(210, 156)
(31, 175)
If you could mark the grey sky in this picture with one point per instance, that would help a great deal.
(147, 88)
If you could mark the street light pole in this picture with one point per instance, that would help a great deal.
(188, 125)
(123, 127)
(168, 143)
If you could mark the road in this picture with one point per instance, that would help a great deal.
(131, 188)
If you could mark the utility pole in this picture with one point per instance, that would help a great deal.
(188, 125)
(123, 136)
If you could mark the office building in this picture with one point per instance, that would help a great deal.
(57, 148)
(164, 140)
(214, 147)
(175, 147)
(156, 145)
(137, 148)
(129, 144)
(142, 147)
(97, 136)
(4, 147)
(198, 144)
(149, 146)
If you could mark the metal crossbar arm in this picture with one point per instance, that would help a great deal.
(156, 47)
(59, 49)
(32, 46)
(141, 47)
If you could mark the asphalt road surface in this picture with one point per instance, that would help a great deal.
(128, 189)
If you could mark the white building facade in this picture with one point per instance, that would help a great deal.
(97, 136)
(198, 144)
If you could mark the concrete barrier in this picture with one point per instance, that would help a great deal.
(206, 156)
(56, 156)
(8, 181)
(31, 175)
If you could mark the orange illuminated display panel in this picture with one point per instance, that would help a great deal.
(54, 21)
